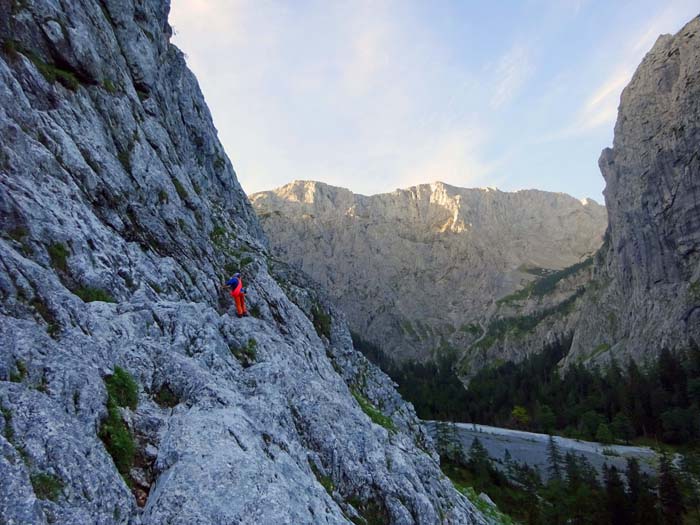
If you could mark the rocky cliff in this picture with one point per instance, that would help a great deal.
(128, 392)
(641, 292)
(420, 269)
(647, 283)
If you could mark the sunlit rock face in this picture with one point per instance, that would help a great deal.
(414, 269)
(120, 218)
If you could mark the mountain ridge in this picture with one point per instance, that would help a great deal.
(388, 238)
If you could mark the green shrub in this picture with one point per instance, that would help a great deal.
(121, 391)
(217, 235)
(9, 47)
(473, 329)
(325, 481)
(321, 321)
(89, 295)
(181, 191)
(230, 268)
(109, 86)
(122, 388)
(124, 157)
(255, 311)
(58, 253)
(246, 261)
(166, 398)
(46, 486)
(20, 374)
(247, 354)
(118, 440)
(18, 233)
(54, 74)
(8, 431)
(520, 325)
(163, 196)
(371, 512)
(373, 412)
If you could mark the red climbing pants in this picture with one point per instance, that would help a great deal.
(240, 303)
(239, 298)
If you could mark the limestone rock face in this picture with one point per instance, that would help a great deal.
(420, 268)
(120, 217)
(649, 279)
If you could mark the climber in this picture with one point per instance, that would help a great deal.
(235, 283)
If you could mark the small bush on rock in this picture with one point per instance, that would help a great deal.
(166, 398)
(321, 320)
(46, 486)
(121, 391)
(122, 388)
(247, 354)
(59, 256)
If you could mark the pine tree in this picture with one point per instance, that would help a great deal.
(554, 459)
(670, 497)
(616, 499)
(690, 473)
(442, 442)
(646, 511)
(622, 427)
(454, 445)
(634, 481)
(603, 434)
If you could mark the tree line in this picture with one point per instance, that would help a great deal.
(658, 401)
(573, 491)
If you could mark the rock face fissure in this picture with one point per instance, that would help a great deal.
(121, 216)
(420, 269)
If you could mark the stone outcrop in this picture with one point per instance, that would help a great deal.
(121, 216)
(420, 269)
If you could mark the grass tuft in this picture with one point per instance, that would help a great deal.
(373, 412)
(181, 191)
(89, 295)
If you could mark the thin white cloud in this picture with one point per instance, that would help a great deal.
(512, 71)
(601, 107)
(453, 157)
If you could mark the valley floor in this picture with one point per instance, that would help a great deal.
(532, 448)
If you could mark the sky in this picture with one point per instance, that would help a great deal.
(378, 95)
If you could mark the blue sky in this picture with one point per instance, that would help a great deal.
(380, 95)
